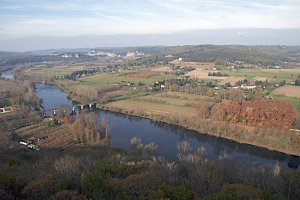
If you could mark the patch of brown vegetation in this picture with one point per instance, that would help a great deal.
(263, 79)
(48, 137)
(232, 80)
(288, 90)
(162, 69)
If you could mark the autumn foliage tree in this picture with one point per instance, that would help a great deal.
(68, 119)
(268, 113)
(265, 113)
(203, 109)
(226, 111)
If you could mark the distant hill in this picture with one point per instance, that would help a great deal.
(265, 55)
(8, 53)
(260, 55)
(241, 36)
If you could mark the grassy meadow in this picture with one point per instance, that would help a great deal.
(272, 74)
(55, 71)
(171, 103)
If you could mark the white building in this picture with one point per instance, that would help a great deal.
(248, 87)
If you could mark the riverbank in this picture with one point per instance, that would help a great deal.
(178, 113)
(282, 140)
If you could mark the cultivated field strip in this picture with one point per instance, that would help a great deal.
(48, 137)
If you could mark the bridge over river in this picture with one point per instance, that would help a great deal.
(71, 108)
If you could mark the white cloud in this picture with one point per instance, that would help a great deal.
(54, 18)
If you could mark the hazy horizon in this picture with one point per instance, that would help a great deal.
(55, 24)
(251, 37)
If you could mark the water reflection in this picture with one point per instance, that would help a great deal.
(52, 96)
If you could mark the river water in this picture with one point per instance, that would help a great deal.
(125, 127)
(7, 74)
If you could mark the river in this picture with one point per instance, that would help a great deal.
(7, 74)
(125, 127)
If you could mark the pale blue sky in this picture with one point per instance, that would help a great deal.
(26, 18)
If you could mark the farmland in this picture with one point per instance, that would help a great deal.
(115, 85)
(45, 136)
(203, 74)
(55, 71)
(76, 153)
(108, 79)
(232, 80)
(288, 90)
(161, 69)
(196, 65)
(160, 104)
(288, 75)
(168, 87)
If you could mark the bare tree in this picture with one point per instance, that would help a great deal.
(184, 149)
(67, 165)
(62, 110)
(150, 148)
(91, 127)
(106, 126)
(78, 126)
(203, 109)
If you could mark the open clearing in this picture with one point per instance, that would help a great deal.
(288, 90)
(203, 74)
(232, 80)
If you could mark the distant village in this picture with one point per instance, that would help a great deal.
(99, 53)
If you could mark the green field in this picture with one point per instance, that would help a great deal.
(164, 103)
(108, 79)
(49, 72)
(154, 107)
(166, 100)
(276, 75)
